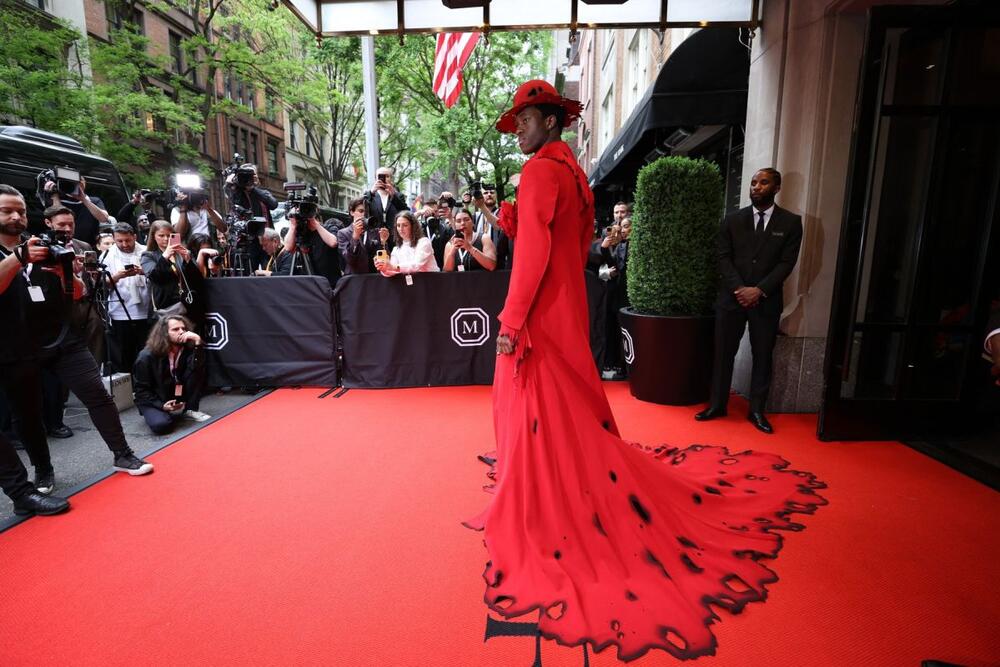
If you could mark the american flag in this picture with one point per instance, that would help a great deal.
(453, 51)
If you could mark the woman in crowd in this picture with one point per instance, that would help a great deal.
(413, 252)
(468, 251)
(104, 242)
(200, 247)
(174, 279)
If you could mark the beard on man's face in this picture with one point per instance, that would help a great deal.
(13, 228)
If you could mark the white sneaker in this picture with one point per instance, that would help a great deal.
(196, 416)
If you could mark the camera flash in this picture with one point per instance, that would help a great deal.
(188, 181)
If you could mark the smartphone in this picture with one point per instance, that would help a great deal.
(382, 255)
(129, 267)
(383, 177)
(459, 235)
(175, 239)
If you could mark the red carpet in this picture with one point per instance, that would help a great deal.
(327, 532)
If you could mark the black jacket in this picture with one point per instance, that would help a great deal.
(387, 217)
(746, 260)
(164, 282)
(153, 384)
(359, 256)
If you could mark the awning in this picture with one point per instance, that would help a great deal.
(330, 18)
(703, 83)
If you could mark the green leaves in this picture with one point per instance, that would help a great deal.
(672, 263)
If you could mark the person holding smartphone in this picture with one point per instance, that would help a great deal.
(129, 302)
(173, 276)
(169, 375)
(385, 202)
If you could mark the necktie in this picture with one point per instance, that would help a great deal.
(760, 222)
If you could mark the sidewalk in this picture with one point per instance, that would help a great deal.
(85, 456)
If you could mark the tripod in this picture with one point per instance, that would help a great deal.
(98, 301)
(303, 254)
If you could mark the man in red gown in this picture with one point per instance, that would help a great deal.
(608, 542)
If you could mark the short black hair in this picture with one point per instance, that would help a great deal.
(10, 190)
(354, 204)
(53, 211)
(775, 174)
(553, 110)
(122, 228)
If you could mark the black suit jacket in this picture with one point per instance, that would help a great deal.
(994, 322)
(153, 383)
(385, 217)
(764, 261)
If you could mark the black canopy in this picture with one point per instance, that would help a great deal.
(704, 82)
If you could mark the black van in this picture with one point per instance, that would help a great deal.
(26, 151)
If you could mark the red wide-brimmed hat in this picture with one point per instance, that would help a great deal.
(531, 93)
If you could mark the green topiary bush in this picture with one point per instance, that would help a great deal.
(672, 262)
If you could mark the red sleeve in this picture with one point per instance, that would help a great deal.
(535, 212)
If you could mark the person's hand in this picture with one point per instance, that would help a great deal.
(208, 252)
(173, 406)
(313, 224)
(383, 235)
(169, 252)
(182, 251)
(504, 345)
(357, 229)
(182, 201)
(379, 185)
(77, 264)
(460, 243)
(36, 252)
(83, 187)
(137, 197)
(390, 189)
(381, 264)
(262, 272)
(427, 212)
(49, 186)
(748, 297)
(190, 337)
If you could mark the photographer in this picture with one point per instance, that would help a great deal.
(242, 190)
(315, 241)
(88, 212)
(48, 273)
(360, 241)
(19, 376)
(175, 281)
(129, 303)
(279, 262)
(438, 221)
(169, 375)
(194, 214)
(487, 211)
(207, 258)
(384, 200)
(467, 250)
(140, 206)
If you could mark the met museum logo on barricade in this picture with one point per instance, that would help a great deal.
(470, 327)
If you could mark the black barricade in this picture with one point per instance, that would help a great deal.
(271, 332)
(439, 330)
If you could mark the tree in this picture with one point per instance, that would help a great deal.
(461, 141)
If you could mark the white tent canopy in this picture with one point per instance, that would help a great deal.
(330, 18)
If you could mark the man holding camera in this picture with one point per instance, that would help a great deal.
(194, 214)
(439, 220)
(384, 200)
(60, 351)
(169, 375)
(243, 190)
(139, 209)
(360, 240)
(314, 240)
(18, 357)
(129, 303)
(88, 212)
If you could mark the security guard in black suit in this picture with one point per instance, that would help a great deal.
(758, 247)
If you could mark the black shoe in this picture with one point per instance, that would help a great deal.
(132, 464)
(36, 503)
(61, 431)
(760, 422)
(45, 482)
(710, 413)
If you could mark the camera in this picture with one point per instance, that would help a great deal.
(189, 184)
(302, 202)
(244, 175)
(242, 225)
(149, 196)
(60, 254)
(90, 262)
(476, 188)
(67, 182)
(216, 259)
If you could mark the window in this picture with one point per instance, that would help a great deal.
(155, 123)
(272, 158)
(251, 98)
(637, 65)
(227, 84)
(176, 54)
(121, 17)
(607, 121)
(233, 146)
(254, 157)
(270, 107)
(239, 90)
(245, 143)
(305, 139)
(291, 136)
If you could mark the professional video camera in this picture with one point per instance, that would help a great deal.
(243, 173)
(67, 182)
(302, 202)
(188, 184)
(61, 253)
(150, 196)
(242, 224)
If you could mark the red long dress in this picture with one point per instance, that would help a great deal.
(612, 543)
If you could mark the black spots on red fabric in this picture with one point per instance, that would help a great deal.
(534, 426)
(613, 475)
(638, 508)
(671, 636)
(617, 628)
(685, 542)
(691, 565)
(714, 491)
(750, 491)
(556, 611)
(696, 448)
(696, 497)
(678, 458)
(655, 562)
(503, 602)
(736, 584)
(723, 482)
(497, 579)
(598, 526)
(606, 424)
(729, 461)
(557, 555)
(750, 477)
(762, 519)
(630, 596)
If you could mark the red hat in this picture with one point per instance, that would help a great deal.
(535, 92)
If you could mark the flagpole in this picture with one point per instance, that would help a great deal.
(371, 108)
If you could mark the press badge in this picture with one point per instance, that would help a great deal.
(409, 279)
(461, 267)
(36, 293)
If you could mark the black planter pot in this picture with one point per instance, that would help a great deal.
(669, 358)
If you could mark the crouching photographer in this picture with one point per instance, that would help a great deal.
(169, 375)
(46, 287)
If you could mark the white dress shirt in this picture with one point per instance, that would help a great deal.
(133, 289)
(197, 221)
(767, 217)
(410, 259)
